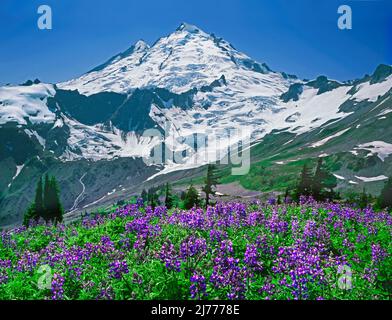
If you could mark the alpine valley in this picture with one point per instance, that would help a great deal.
(89, 131)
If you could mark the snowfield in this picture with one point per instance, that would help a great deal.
(381, 148)
(20, 102)
(247, 101)
(372, 179)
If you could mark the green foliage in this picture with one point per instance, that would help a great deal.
(39, 201)
(210, 182)
(304, 187)
(47, 204)
(322, 180)
(169, 198)
(191, 198)
(385, 199)
(148, 278)
(320, 185)
(152, 197)
(144, 195)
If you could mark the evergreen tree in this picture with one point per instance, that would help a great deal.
(144, 195)
(58, 212)
(363, 200)
(304, 187)
(169, 199)
(47, 199)
(29, 215)
(47, 204)
(39, 202)
(322, 180)
(317, 181)
(191, 198)
(152, 198)
(286, 195)
(210, 181)
(385, 199)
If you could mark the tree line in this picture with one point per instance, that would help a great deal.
(187, 199)
(46, 204)
(321, 184)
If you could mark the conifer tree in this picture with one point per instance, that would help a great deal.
(304, 187)
(144, 195)
(363, 201)
(191, 198)
(47, 198)
(317, 181)
(322, 180)
(169, 199)
(47, 204)
(152, 197)
(29, 215)
(210, 181)
(39, 202)
(58, 212)
(385, 199)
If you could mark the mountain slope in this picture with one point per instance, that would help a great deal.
(187, 85)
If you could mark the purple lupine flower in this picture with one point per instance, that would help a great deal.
(140, 202)
(217, 235)
(271, 201)
(137, 279)
(198, 287)
(57, 287)
(169, 257)
(118, 268)
(378, 253)
(106, 294)
(192, 246)
(252, 258)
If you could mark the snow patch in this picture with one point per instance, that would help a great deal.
(18, 170)
(381, 148)
(324, 141)
(20, 102)
(371, 179)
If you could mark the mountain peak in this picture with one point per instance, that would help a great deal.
(382, 72)
(188, 28)
(140, 45)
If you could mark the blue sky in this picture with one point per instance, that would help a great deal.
(296, 36)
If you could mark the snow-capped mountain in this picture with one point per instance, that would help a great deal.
(186, 59)
(185, 83)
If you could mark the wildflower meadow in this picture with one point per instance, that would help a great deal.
(255, 251)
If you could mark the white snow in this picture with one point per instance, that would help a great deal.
(339, 177)
(96, 143)
(381, 148)
(352, 182)
(325, 140)
(371, 92)
(185, 59)
(20, 102)
(385, 112)
(18, 170)
(371, 179)
(323, 155)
